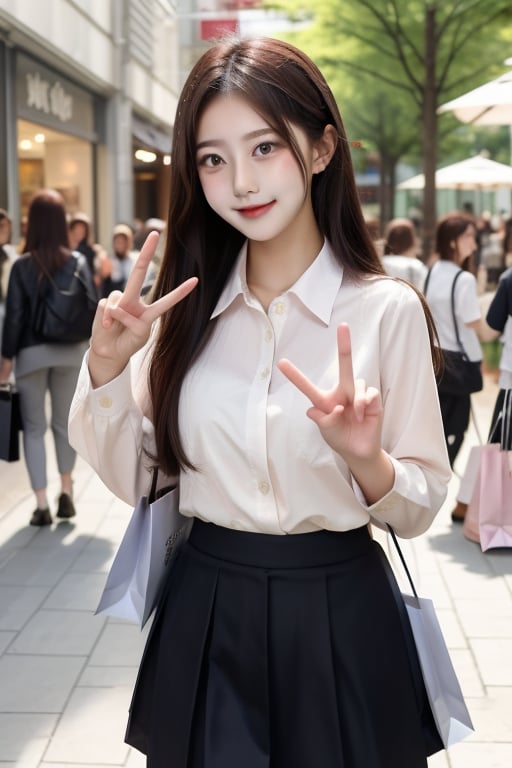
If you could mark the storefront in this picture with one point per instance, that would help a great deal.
(56, 134)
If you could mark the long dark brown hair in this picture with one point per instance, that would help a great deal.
(286, 88)
(47, 232)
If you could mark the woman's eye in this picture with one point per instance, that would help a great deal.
(211, 161)
(265, 148)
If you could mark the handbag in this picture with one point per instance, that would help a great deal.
(10, 423)
(449, 721)
(65, 316)
(459, 375)
(148, 548)
(488, 518)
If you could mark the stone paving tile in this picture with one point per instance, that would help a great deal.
(77, 591)
(6, 639)
(24, 737)
(494, 659)
(37, 683)
(17, 604)
(92, 727)
(58, 633)
(485, 618)
(474, 755)
(120, 645)
(109, 677)
(492, 716)
(37, 567)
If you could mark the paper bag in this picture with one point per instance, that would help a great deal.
(154, 534)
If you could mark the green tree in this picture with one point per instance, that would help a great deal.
(409, 56)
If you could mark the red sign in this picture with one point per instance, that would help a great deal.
(217, 27)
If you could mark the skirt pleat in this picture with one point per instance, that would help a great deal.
(277, 652)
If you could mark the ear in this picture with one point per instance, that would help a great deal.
(324, 149)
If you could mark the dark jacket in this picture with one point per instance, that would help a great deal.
(22, 297)
(500, 308)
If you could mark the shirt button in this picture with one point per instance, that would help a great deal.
(265, 373)
(106, 402)
(263, 487)
(279, 308)
(268, 335)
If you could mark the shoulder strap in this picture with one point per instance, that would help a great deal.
(457, 336)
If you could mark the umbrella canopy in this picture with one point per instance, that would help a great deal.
(474, 173)
(490, 104)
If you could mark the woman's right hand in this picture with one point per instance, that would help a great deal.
(123, 321)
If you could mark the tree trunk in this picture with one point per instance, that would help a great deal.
(429, 133)
(387, 187)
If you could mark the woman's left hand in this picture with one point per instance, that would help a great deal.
(349, 416)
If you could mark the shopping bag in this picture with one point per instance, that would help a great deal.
(154, 534)
(489, 515)
(443, 690)
(10, 423)
(448, 708)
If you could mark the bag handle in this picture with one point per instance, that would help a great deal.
(402, 558)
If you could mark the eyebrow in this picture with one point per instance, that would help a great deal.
(245, 137)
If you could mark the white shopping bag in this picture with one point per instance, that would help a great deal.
(149, 545)
(444, 693)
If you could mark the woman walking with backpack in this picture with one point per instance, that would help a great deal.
(43, 366)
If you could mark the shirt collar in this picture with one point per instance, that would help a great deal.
(317, 288)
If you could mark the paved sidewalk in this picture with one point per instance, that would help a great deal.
(66, 675)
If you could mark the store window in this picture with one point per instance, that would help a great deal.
(51, 158)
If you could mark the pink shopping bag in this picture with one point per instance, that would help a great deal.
(489, 515)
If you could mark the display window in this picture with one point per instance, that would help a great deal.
(52, 159)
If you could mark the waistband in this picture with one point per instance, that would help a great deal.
(301, 550)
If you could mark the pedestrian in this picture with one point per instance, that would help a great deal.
(43, 367)
(455, 246)
(8, 255)
(115, 267)
(79, 238)
(277, 640)
(400, 253)
(499, 318)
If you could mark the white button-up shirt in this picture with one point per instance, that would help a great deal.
(262, 464)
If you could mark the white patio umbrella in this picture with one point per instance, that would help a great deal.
(474, 173)
(489, 104)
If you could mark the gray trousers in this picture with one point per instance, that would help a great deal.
(60, 382)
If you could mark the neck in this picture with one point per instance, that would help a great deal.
(273, 267)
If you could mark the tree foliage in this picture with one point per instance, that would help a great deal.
(392, 63)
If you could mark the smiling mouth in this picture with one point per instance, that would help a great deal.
(253, 211)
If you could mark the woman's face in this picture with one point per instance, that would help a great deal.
(466, 244)
(249, 175)
(5, 231)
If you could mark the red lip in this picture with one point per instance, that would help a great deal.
(253, 211)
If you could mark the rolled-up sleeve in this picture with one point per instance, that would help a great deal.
(412, 433)
(110, 430)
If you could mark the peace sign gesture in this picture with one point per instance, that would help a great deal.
(349, 417)
(123, 321)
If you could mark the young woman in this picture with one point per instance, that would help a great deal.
(400, 253)
(42, 367)
(455, 245)
(289, 388)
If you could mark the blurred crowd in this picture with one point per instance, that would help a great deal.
(44, 335)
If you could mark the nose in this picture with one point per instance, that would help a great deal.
(244, 178)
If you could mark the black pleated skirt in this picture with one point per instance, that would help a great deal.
(279, 652)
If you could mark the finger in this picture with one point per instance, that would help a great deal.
(346, 385)
(359, 404)
(138, 274)
(301, 382)
(159, 307)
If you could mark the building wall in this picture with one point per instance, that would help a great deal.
(122, 52)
